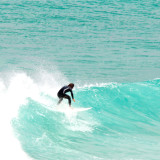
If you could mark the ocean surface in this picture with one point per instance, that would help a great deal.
(109, 49)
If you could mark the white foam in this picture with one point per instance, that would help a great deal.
(111, 84)
(72, 121)
(13, 94)
(9, 146)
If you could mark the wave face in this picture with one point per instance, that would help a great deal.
(124, 123)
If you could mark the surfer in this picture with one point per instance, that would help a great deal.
(62, 94)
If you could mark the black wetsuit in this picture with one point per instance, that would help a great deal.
(62, 94)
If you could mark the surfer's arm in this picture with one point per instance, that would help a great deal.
(72, 95)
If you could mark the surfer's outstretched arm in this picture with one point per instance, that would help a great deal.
(72, 95)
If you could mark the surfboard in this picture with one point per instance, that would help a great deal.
(81, 109)
(68, 109)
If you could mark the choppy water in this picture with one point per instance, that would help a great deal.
(109, 49)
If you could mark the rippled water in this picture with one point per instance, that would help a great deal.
(109, 49)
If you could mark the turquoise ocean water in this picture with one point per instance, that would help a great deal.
(109, 49)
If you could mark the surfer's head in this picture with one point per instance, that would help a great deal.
(71, 85)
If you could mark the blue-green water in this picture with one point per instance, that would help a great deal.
(109, 49)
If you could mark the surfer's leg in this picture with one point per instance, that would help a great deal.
(60, 100)
(69, 99)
